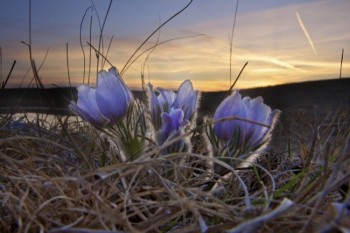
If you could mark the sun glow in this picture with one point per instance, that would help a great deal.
(276, 51)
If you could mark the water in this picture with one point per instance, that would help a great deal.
(25, 121)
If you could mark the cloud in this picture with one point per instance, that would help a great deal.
(306, 33)
(270, 40)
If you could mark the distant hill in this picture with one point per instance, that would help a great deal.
(36, 99)
(334, 92)
(314, 93)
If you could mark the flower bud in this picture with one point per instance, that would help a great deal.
(113, 97)
(86, 106)
(255, 120)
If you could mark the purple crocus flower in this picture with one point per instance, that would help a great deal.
(246, 133)
(108, 102)
(172, 126)
(86, 106)
(167, 100)
(159, 104)
(113, 97)
(231, 106)
(170, 112)
(186, 99)
(172, 123)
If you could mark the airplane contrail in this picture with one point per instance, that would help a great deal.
(306, 33)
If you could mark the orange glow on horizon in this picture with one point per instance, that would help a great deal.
(277, 52)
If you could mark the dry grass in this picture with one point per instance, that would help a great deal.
(65, 177)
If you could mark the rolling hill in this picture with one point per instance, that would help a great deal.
(325, 94)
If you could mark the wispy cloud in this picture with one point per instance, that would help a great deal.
(271, 60)
(306, 33)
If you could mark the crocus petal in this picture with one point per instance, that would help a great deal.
(230, 107)
(112, 95)
(186, 99)
(86, 106)
(166, 99)
(261, 113)
(172, 122)
(260, 135)
(256, 111)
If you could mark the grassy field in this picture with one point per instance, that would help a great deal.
(58, 174)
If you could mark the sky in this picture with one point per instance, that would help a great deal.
(282, 41)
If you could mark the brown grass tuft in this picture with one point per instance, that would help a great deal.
(60, 175)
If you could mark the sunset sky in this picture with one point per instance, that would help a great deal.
(282, 41)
